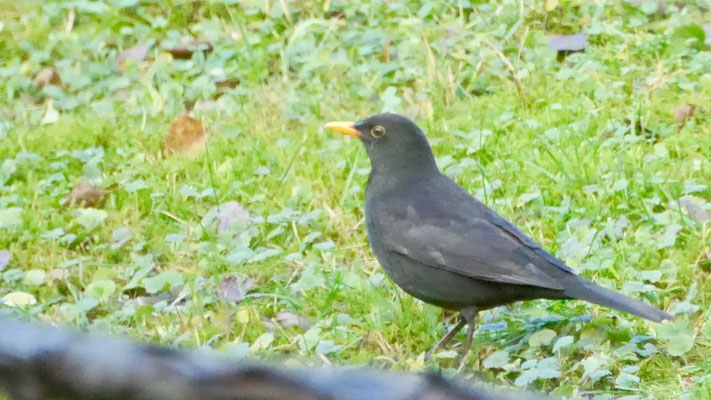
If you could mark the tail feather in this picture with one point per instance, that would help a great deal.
(597, 294)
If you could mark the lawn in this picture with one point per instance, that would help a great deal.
(254, 242)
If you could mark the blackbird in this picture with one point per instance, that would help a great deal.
(441, 245)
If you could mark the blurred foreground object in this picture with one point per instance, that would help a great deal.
(42, 362)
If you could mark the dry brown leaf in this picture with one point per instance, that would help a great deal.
(84, 194)
(137, 53)
(689, 382)
(337, 14)
(684, 112)
(188, 46)
(47, 76)
(227, 84)
(186, 135)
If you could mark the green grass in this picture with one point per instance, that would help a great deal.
(586, 156)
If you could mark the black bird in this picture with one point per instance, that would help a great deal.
(443, 246)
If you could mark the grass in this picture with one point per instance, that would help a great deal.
(585, 155)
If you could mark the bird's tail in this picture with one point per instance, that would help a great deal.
(597, 294)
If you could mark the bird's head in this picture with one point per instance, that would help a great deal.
(393, 142)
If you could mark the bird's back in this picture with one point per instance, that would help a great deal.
(436, 222)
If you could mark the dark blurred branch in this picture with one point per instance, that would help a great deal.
(41, 362)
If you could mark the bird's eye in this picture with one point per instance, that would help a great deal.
(378, 131)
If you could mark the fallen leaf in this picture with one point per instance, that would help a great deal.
(84, 194)
(47, 76)
(188, 46)
(151, 300)
(51, 115)
(232, 290)
(186, 135)
(137, 53)
(227, 84)
(568, 43)
(288, 319)
(337, 14)
(5, 257)
(243, 315)
(683, 112)
(230, 212)
(268, 324)
(19, 299)
(694, 207)
(59, 273)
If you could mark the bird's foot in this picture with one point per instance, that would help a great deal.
(469, 315)
(428, 354)
(445, 339)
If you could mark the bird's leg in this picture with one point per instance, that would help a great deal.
(446, 338)
(469, 315)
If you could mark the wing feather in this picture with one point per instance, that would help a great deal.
(476, 248)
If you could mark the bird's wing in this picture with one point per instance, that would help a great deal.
(479, 248)
(512, 230)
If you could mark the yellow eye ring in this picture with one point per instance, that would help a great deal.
(377, 131)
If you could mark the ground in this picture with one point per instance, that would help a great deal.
(601, 155)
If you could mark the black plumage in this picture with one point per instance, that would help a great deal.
(441, 245)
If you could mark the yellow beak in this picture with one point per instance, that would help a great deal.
(344, 127)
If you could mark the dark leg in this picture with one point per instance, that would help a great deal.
(468, 314)
(446, 338)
